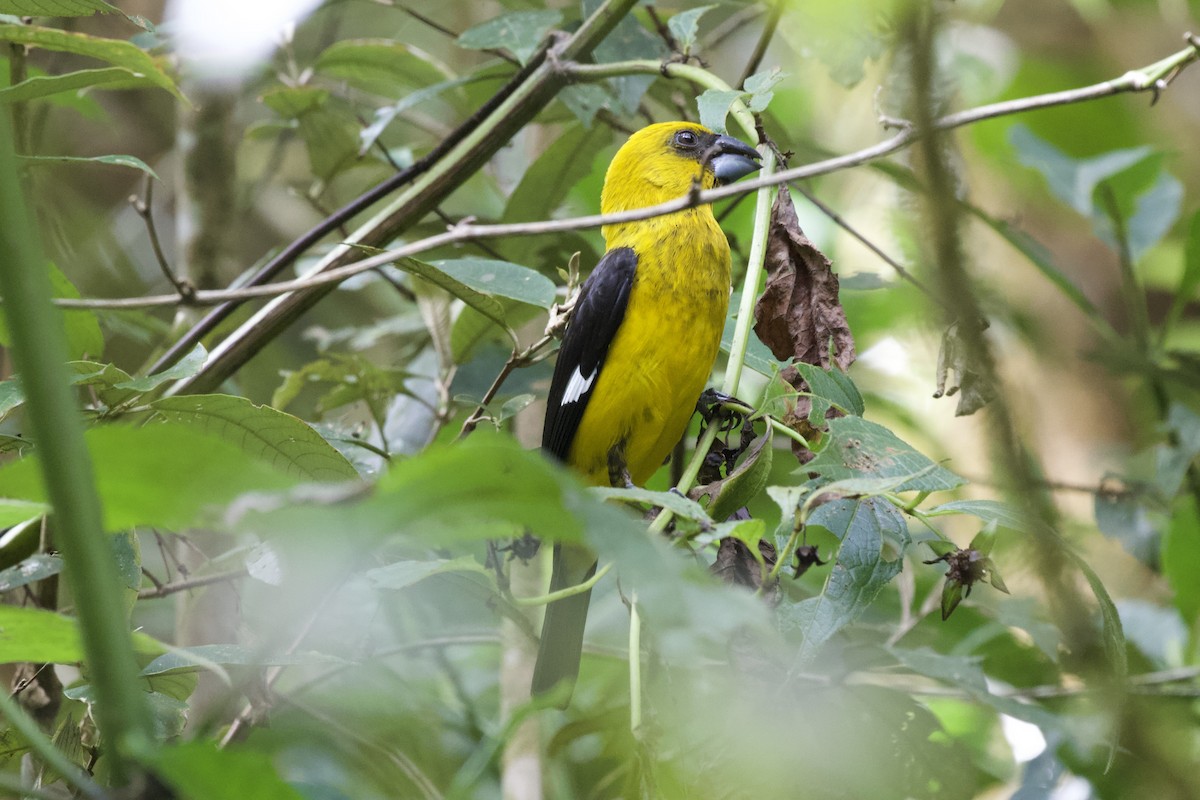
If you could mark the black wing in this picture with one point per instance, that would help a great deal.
(598, 314)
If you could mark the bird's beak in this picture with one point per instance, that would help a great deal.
(734, 159)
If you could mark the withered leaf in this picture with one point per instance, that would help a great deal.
(976, 390)
(799, 315)
(735, 564)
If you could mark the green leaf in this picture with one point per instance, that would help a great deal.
(546, 183)
(760, 86)
(14, 512)
(585, 100)
(1072, 180)
(1040, 257)
(164, 474)
(84, 337)
(1189, 279)
(1181, 556)
(383, 67)
(714, 107)
(48, 85)
(34, 568)
(497, 487)
(990, 511)
(293, 102)
(43, 637)
(744, 483)
(198, 770)
(628, 40)
(403, 574)
(500, 279)
(843, 36)
(384, 116)
(488, 306)
(519, 32)
(203, 657)
(680, 506)
(1148, 198)
(855, 580)
(186, 367)
(56, 8)
(832, 385)
(858, 448)
(132, 162)
(113, 51)
(1125, 518)
(472, 328)
(1112, 630)
(266, 434)
(758, 356)
(685, 24)
(169, 715)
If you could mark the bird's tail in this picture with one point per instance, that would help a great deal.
(562, 631)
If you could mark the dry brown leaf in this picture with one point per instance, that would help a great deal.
(799, 314)
(735, 564)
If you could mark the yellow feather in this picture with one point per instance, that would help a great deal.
(663, 353)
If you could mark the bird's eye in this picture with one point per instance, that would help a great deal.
(686, 139)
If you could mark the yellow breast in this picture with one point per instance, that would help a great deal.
(661, 358)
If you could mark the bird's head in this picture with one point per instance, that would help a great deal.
(661, 161)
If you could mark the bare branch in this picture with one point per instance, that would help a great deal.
(1146, 79)
(165, 589)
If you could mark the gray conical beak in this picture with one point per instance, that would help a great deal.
(734, 159)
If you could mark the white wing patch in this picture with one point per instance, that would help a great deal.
(577, 386)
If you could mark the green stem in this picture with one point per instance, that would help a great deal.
(45, 749)
(635, 668)
(741, 333)
(688, 72)
(754, 271)
(795, 436)
(785, 556)
(570, 591)
(39, 349)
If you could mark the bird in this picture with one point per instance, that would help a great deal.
(640, 345)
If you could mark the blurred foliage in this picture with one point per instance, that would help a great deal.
(372, 575)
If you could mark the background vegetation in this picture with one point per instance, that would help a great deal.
(281, 553)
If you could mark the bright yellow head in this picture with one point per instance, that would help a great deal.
(661, 161)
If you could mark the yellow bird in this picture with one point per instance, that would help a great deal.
(641, 343)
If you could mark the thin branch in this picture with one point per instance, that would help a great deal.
(1147, 79)
(764, 41)
(166, 589)
(442, 29)
(301, 245)
(846, 226)
(144, 207)
(245, 717)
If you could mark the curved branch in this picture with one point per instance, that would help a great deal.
(1153, 78)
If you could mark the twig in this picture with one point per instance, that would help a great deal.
(299, 246)
(1133, 81)
(562, 594)
(442, 29)
(144, 207)
(764, 41)
(246, 715)
(734, 23)
(166, 589)
(664, 32)
(527, 94)
(893, 263)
